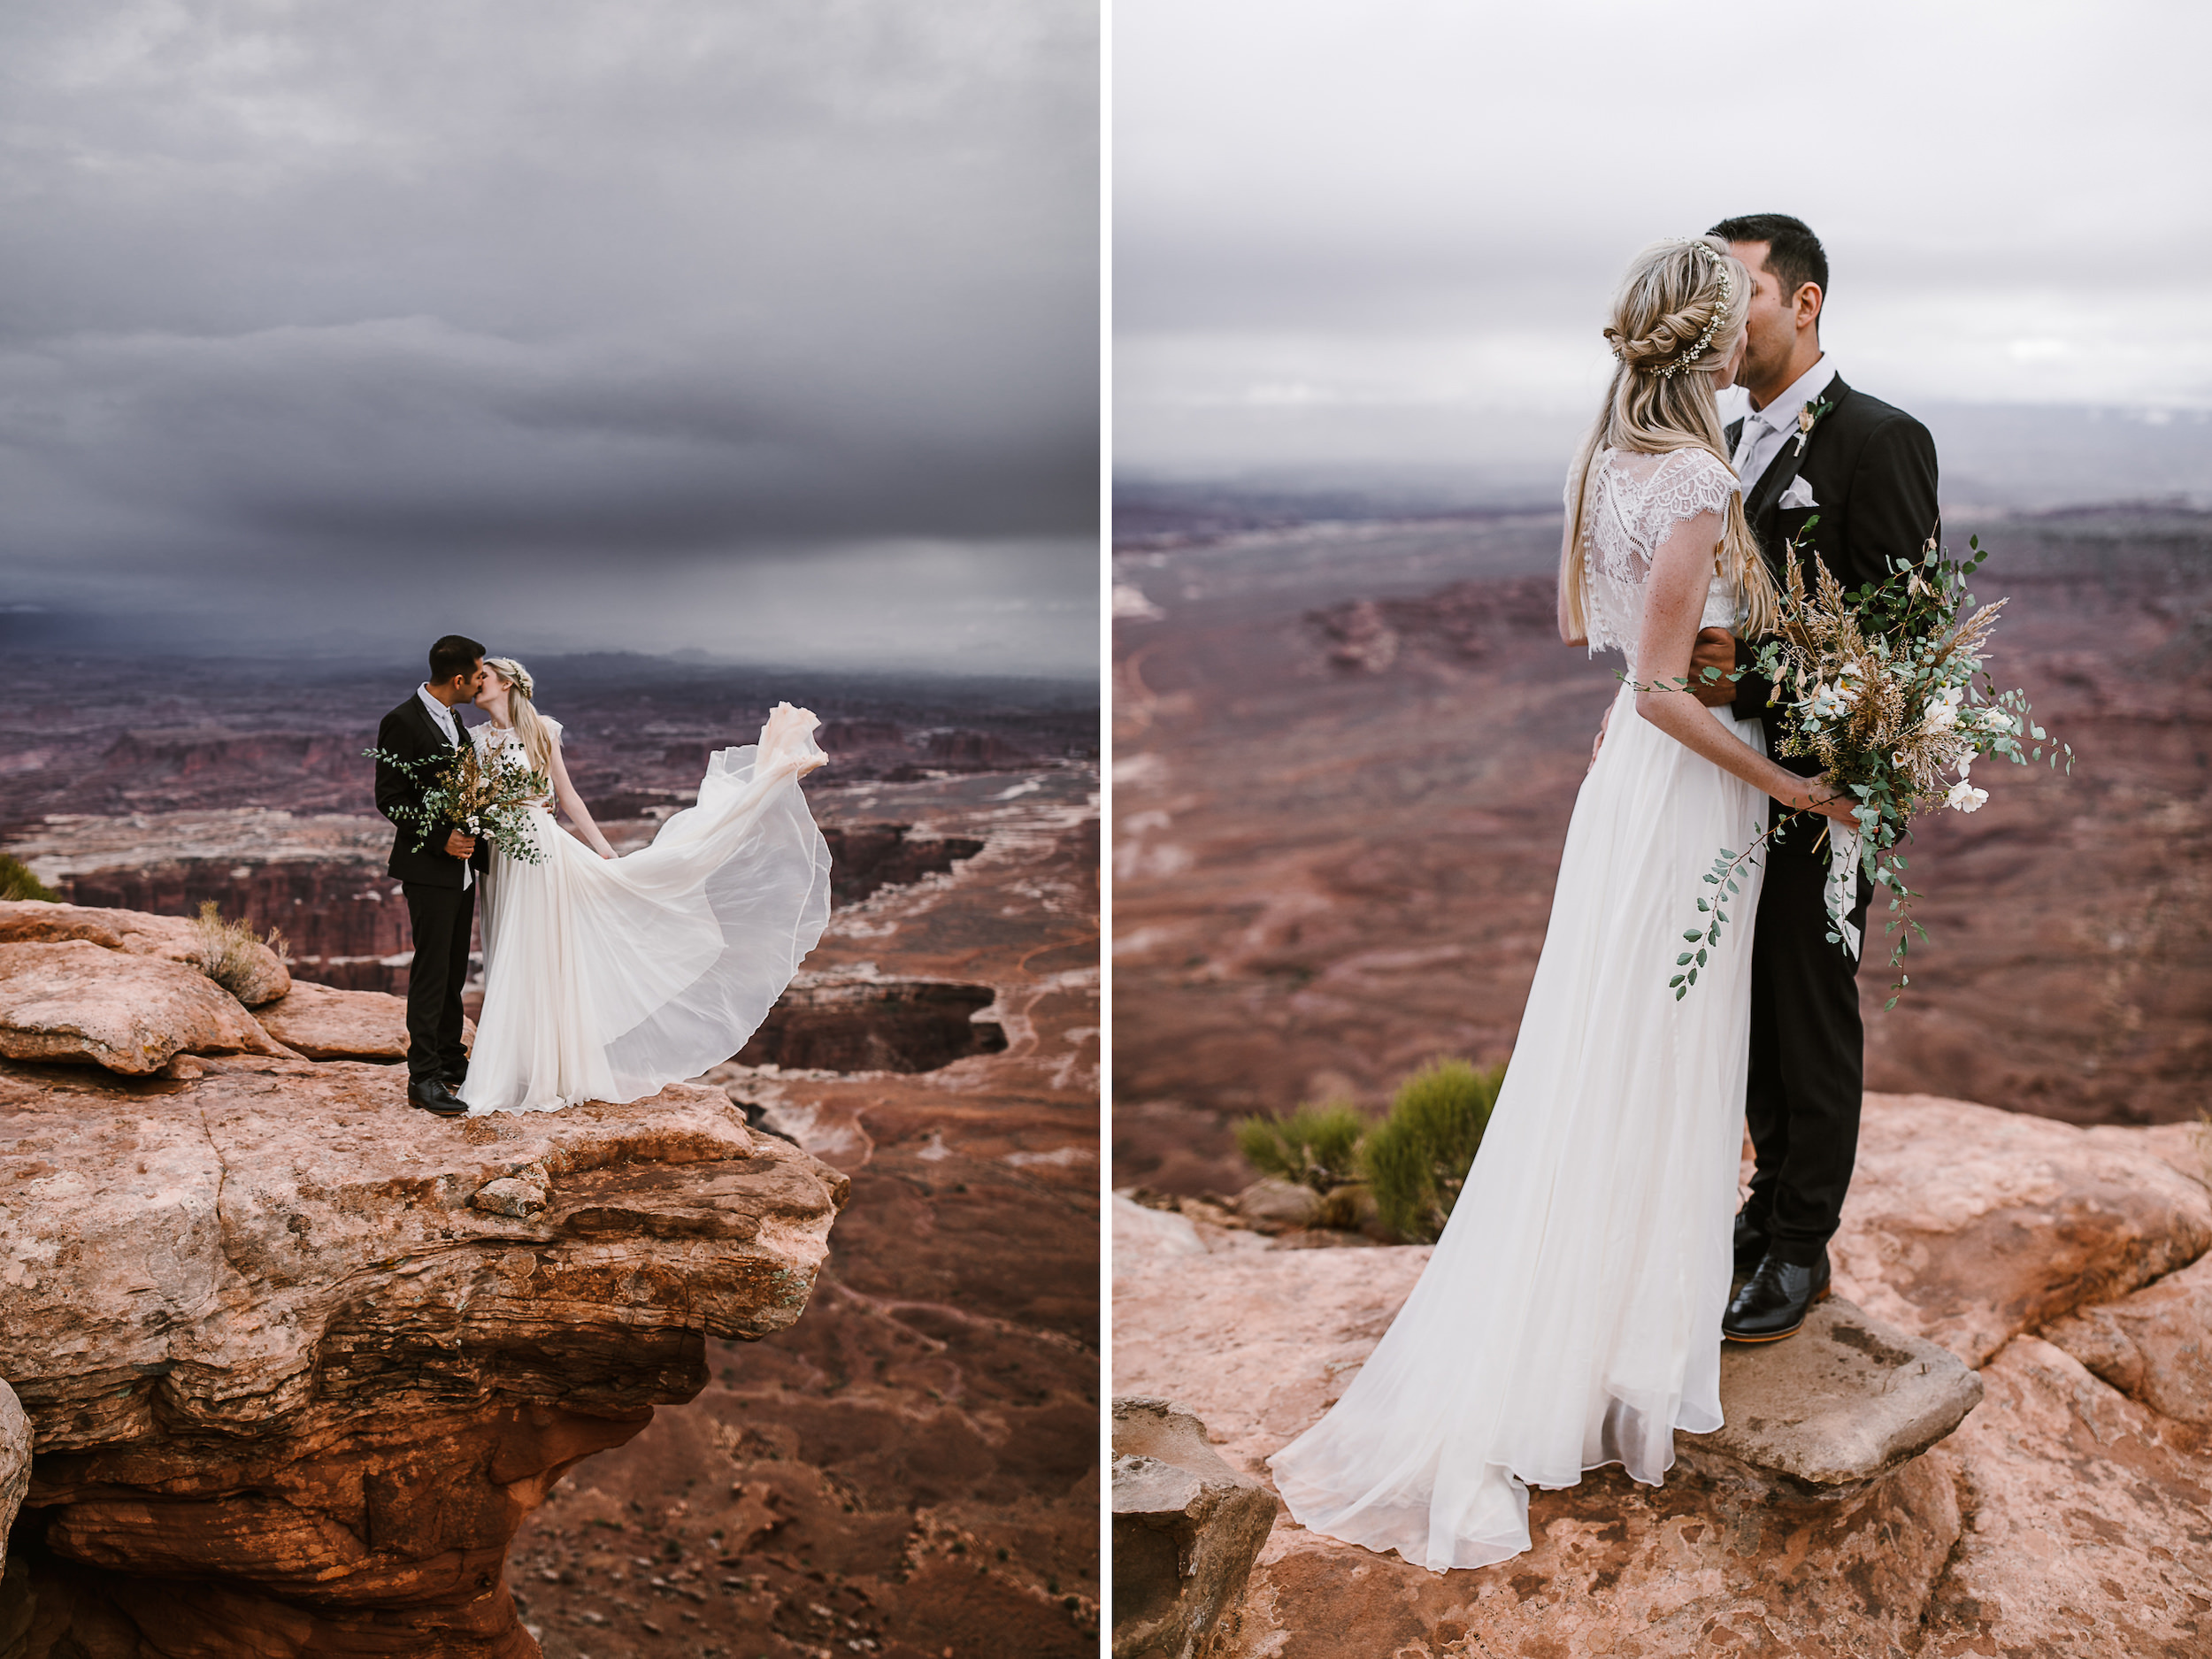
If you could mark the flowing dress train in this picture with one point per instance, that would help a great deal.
(1570, 1315)
(608, 979)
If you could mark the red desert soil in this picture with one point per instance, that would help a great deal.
(1345, 757)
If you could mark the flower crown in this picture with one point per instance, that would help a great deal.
(1668, 371)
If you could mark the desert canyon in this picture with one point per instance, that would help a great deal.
(1345, 752)
(310, 1373)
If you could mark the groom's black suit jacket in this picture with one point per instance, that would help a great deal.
(1872, 471)
(409, 733)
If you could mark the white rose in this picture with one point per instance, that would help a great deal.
(1964, 797)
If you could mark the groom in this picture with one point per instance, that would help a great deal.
(1812, 447)
(438, 882)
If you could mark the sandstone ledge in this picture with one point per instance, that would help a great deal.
(285, 1378)
(1826, 1413)
(2063, 1516)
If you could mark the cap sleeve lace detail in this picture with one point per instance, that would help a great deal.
(1632, 501)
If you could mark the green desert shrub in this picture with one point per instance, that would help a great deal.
(1316, 1146)
(18, 882)
(1417, 1158)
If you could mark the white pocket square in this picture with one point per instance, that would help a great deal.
(1800, 494)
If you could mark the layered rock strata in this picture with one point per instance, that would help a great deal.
(2063, 1516)
(300, 1359)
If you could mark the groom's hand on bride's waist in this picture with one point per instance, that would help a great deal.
(1713, 668)
(459, 846)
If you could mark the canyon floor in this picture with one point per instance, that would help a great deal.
(1345, 754)
(911, 1470)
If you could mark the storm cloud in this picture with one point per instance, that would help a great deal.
(670, 324)
(1361, 234)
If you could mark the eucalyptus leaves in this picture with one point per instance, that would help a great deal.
(1885, 689)
(480, 792)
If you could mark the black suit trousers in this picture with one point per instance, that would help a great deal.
(442, 919)
(1808, 1066)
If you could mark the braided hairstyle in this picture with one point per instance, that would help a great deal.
(537, 737)
(1661, 399)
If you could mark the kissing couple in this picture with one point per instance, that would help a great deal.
(606, 978)
(1573, 1311)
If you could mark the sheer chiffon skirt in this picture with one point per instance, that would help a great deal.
(610, 978)
(1570, 1315)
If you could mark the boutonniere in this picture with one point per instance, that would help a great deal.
(1808, 417)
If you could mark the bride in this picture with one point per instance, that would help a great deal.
(1570, 1317)
(606, 978)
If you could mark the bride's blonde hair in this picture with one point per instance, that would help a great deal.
(1679, 314)
(537, 741)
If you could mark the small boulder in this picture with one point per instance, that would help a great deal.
(324, 1022)
(15, 1462)
(255, 975)
(1271, 1205)
(520, 1193)
(2154, 1347)
(1831, 1410)
(1187, 1530)
(77, 1001)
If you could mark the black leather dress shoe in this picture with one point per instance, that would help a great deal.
(454, 1079)
(432, 1095)
(1774, 1301)
(1751, 1244)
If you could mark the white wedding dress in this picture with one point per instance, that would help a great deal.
(1570, 1317)
(607, 979)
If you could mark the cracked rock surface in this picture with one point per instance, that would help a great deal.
(79, 1003)
(2065, 1516)
(294, 1389)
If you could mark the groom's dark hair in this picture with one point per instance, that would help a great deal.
(456, 654)
(1794, 256)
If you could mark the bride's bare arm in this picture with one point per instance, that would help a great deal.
(573, 804)
(1674, 604)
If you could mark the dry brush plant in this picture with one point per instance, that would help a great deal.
(226, 953)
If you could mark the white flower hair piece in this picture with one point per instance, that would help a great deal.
(1720, 313)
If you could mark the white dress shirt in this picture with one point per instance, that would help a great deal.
(451, 727)
(1765, 431)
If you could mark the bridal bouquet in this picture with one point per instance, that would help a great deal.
(1886, 689)
(485, 793)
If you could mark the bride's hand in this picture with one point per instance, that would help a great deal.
(1820, 795)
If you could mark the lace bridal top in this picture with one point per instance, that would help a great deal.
(1634, 499)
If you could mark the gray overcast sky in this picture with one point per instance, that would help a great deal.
(1377, 230)
(763, 329)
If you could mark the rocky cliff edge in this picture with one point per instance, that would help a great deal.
(299, 1359)
(2065, 1516)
